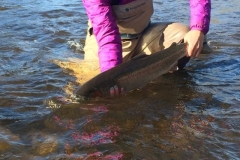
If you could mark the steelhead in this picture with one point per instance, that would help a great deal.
(134, 73)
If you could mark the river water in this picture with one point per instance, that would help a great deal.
(193, 114)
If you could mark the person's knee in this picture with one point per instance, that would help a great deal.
(180, 30)
(174, 32)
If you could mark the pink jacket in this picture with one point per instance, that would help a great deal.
(105, 29)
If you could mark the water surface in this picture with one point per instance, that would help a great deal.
(193, 114)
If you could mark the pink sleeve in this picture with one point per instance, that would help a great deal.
(106, 31)
(200, 15)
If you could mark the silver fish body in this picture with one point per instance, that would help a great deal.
(134, 73)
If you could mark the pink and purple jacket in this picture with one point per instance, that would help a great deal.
(107, 34)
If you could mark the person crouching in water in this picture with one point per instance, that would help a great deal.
(119, 30)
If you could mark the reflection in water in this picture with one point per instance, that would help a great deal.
(193, 114)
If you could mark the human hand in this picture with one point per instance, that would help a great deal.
(115, 91)
(195, 39)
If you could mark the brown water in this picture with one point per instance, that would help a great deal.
(193, 114)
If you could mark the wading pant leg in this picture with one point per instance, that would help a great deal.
(90, 47)
(175, 32)
(159, 36)
(168, 33)
(156, 37)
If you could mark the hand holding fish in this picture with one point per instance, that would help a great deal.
(115, 91)
(195, 39)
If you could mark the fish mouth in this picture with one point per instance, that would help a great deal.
(95, 93)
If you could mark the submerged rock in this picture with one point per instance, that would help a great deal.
(41, 143)
(4, 145)
(6, 138)
(45, 146)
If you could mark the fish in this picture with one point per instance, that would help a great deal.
(134, 73)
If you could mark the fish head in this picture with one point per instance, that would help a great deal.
(98, 86)
(89, 92)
